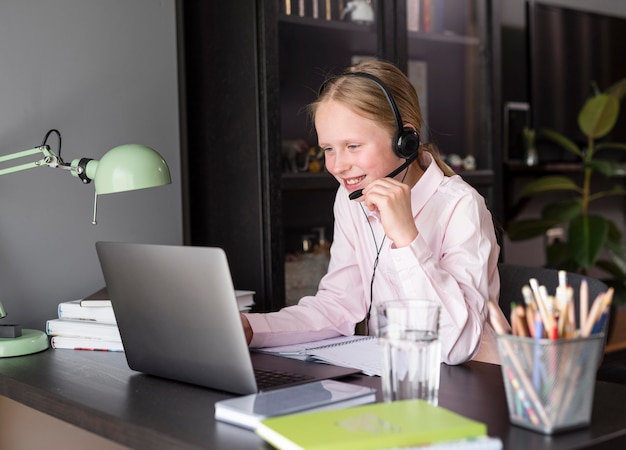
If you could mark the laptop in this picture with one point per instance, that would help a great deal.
(178, 317)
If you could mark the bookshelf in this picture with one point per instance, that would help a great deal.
(249, 70)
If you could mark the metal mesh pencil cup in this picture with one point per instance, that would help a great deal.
(550, 383)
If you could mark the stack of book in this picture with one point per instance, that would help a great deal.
(89, 323)
(245, 300)
(86, 324)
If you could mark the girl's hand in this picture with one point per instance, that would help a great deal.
(392, 199)
(247, 329)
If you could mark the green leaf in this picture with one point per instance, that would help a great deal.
(559, 256)
(610, 145)
(551, 183)
(615, 190)
(529, 228)
(611, 268)
(614, 235)
(562, 141)
(599, 115)
(562, 211)
(586, 237)
(607, 168)
(618, 89)
(617, 251)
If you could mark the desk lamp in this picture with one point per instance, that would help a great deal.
(124, 168)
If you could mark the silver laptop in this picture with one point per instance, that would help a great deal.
(178, 317)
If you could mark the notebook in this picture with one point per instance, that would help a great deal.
(178, 318)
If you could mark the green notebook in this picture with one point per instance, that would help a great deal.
(374, 426)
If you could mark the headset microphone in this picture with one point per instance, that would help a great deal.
(359, 192)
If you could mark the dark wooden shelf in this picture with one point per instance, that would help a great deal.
(307, 181)
(543, 168)
(448, 38)
(311, 181)
(327, 24)
(478, 177)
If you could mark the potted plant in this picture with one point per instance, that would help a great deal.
(591, 240)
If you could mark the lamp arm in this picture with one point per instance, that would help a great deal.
(49, 159)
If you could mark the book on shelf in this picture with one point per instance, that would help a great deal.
(100, 298)
(245, 299)
(83, 329)
(77, 343)
(358, 352)
(378, 425)
(248, 410)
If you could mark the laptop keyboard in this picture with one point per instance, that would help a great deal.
(269, 378)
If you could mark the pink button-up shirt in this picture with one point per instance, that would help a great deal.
(453, 260)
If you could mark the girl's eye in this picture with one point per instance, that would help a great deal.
(328, 149)
(353, 146)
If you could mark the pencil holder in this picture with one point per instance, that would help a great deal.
(550, 383)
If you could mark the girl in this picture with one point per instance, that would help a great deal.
(405, 224)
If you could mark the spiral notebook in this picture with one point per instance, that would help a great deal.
(358, 352)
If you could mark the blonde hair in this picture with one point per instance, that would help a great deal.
(366, 98)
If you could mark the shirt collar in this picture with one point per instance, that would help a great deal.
(428, 183)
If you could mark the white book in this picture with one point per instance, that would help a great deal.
(73, 343)
(83, 328)
(247, 411)
(245, 300)
(97, 299)
(74, 310)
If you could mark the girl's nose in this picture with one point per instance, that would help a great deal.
(341, 162)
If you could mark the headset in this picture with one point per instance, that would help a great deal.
(405, 143)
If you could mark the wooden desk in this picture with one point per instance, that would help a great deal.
(97, 392)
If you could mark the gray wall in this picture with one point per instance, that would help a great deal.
(102, 72)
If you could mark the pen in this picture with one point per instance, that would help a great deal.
(537, 334)
(599, 325)
(522, 396)
(520, 320)
(571, 326)
(600, 304)
(592, 316)
(540, 293)
(584, 302)
(531, 307)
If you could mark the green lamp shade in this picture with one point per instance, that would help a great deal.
(128, 167)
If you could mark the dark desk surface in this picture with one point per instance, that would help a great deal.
(99, 393)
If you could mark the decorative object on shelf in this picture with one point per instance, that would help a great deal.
(293, 153)
(455, 161)
(359, 11)
(530, 150)
(469, 163)
(124, 168)
(299, 157)
(315, 160)
(587, 233)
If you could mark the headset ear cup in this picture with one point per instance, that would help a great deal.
(407, 143)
